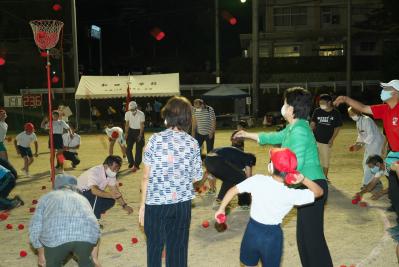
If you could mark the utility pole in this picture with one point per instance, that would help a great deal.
(255, 58)
(349, 50)
(75, 45)
(217, 43)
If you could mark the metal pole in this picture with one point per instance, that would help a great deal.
(255, 58)
(75, 44)
(217, 44)
(50, 116)
(101, 53)
(349, 50)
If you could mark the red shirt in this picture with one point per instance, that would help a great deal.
(390, 119)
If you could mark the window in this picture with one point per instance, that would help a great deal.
(286, 51)
(367, 46)
(331, 50)
(330, 15)
(290, 16)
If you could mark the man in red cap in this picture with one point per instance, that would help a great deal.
(115, 134)
(22, 144)
(271, 201)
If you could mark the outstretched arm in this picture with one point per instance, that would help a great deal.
(354, 104)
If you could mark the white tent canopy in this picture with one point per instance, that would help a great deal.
(101, 87)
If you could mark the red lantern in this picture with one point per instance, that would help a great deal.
(157, 33)
(57, 7)
(228, 17)
(233, 21)
(2, 61)
(55, 79)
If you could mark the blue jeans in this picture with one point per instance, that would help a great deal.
(261, 242)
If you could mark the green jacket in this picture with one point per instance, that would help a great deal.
(300, 139)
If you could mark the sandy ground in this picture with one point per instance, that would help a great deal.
(355, 235)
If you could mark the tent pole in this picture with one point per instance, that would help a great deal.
(76, 114)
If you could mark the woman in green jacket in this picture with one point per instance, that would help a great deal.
(298, 137)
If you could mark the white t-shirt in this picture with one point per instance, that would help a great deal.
(134, 120)
(24, 139)
(71, 142)
(3, 130)
(272, 200)
(121, 138)
(95, 176)
(58, 126)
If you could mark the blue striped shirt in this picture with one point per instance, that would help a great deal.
(63, 216)
(175, 163)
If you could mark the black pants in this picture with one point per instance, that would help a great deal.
(167, 225)
(393, 192)
(132, 137)
(82, 250)
(312, 245)
(100, 205)
(209, 141)
(72, 156)
(7, 184)
(229, 174)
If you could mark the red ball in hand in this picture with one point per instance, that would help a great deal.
(3, 216)
(205, 224)
(119, 247)
(221, 218)
(355, 201)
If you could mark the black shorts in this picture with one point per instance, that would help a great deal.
(58, 142)
(25, 151)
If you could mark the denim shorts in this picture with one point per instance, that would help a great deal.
(261, 242)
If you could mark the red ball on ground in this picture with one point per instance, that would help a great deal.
(205, 224)
(34, 202)
(355, 201)
(32, 209)
(120, 184)
(2, 61)
(134, 240)
(9, 226)
(44, 187)
(3, 216)
(119, 247)
(23, 253)
(21, 226)
(221, 218)
(57, 7)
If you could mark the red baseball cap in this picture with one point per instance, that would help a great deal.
(284, 160)
(115, 134)
(29, 127)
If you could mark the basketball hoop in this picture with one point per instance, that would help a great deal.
(46, 34)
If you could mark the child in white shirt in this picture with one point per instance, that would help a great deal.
(22, 144)
(115, 134)
(271, 201)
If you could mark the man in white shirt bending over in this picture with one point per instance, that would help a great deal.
(71, 142)
(115, 134)
(134, 129)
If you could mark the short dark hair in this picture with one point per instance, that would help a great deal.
(110, 160)
(177, 113)
(243, 124)
(374, 159)
(55, 112)
(301, 100)
(325, 97)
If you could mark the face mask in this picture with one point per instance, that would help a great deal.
(323, 107)
(385, 95)
(375, 169)
(110, 173)
(270, 168)
(284, 110)
(355, 117)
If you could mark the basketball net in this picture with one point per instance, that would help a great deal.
(46, 35)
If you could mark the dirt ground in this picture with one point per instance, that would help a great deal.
(355, 235)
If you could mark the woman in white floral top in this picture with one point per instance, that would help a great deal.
(172, 163)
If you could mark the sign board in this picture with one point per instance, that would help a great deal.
(32, 101)
(13, 101)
